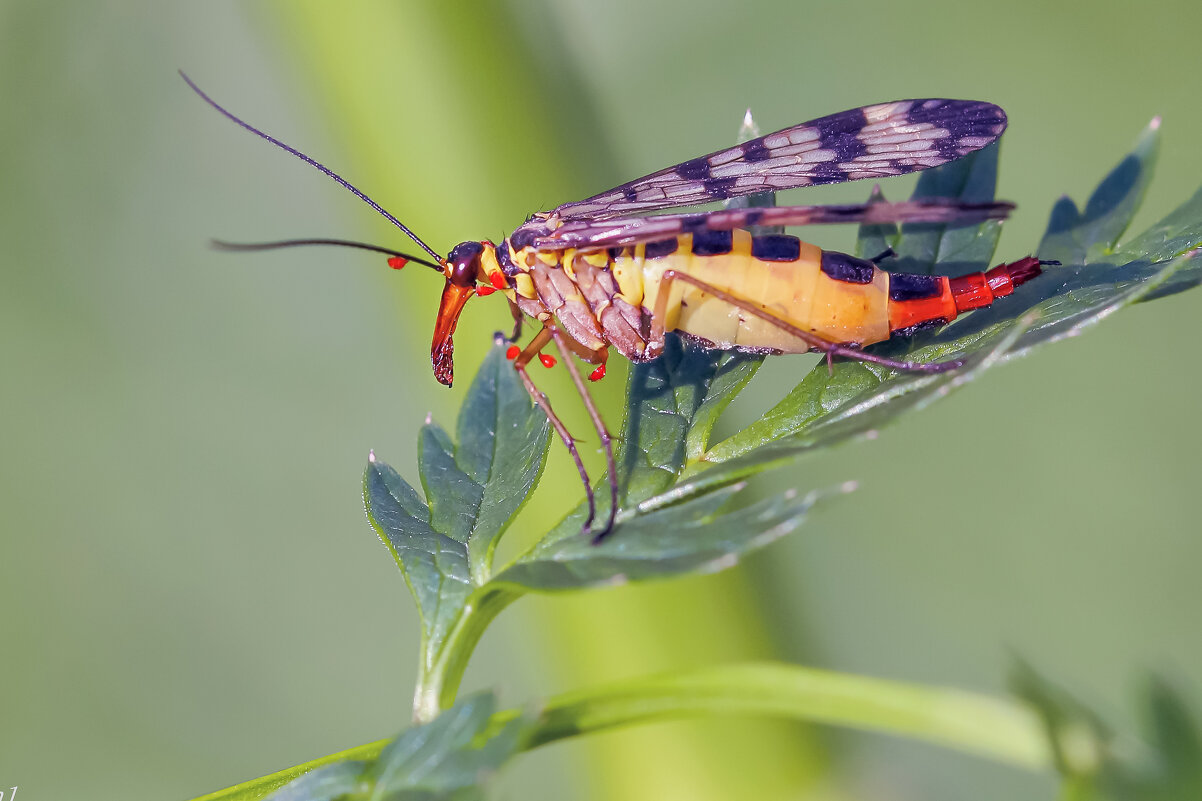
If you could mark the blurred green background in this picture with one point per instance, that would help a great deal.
(190, 595)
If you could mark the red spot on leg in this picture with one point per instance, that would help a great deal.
(397, 262)
(598, 374)
(513, 352)
(484, 291)
(497, 280)
(547, 359)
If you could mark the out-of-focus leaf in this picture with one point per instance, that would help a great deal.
(1174, 736)
(1094, 769)
(444, 543)
(448, 758)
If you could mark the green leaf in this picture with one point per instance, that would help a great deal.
(660, 537)
(942, 249)
(874, 239)
(444, 544)
(434, 565)
(859, 400)
(1177, 233)
(1095, 280)
(672, 404)
(660, 531)
(1076, 237)
(328, 783)
(448, 758)
(926, 249)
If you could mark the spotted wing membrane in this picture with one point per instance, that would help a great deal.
(596, 234)
(870, 142)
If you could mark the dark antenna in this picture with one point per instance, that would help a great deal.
(313, 163)
(291, 243)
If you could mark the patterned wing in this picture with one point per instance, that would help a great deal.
(603, 233)
(869, 142)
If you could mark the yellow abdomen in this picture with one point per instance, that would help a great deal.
(779, 274)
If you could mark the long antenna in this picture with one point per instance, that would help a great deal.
(345, 184)
(346, 243)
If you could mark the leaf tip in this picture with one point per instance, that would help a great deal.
(1154, 125)
(848, 487)
(429, 418)
(371, 456)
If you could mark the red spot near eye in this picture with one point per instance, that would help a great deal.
(498, 280)
(547, 359)
(598, 374)
(484, 291)
(397, 262)
(513, 352)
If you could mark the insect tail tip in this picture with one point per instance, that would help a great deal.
(1024, 270)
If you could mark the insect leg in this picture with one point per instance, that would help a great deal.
(517, 321)
(519, 363)
(567, 346)
(598, 357)
(831, 349)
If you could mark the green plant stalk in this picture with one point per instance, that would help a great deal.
(438, 679)
(1005, 731)
(991, 727)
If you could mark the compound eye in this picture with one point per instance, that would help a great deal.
(465, 263)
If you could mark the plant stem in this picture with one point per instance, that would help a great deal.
(999, 729)
(438, 678)
(1006, 731)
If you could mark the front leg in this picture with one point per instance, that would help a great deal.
(520, 360)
